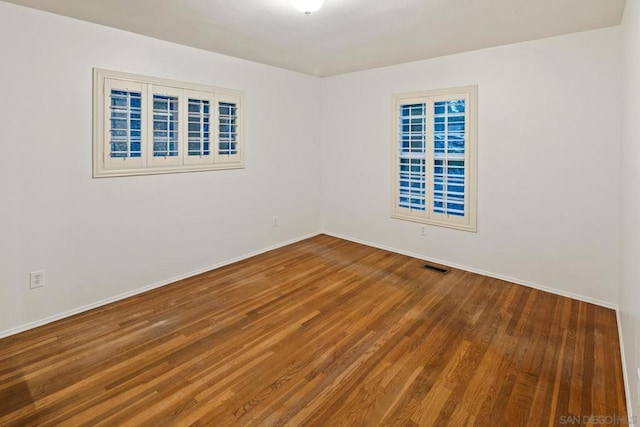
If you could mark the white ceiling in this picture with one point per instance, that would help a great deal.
(345, 35)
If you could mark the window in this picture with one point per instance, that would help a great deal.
(145, 125)
(435, 157)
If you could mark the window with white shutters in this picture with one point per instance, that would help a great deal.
(147, 125)
(434, 166)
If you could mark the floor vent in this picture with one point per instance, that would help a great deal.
(436, 268)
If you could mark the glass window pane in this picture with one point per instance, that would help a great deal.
(227, 128)
(198, 129)
(165, 119)
(125, 123)
(449, 143)
(412, 128)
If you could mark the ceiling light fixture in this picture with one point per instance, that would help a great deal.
(307, 6)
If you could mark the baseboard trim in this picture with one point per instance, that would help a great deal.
(625, 373)
(69, 313)
(152, 286)
(477, 271)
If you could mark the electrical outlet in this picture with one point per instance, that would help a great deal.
(423, 230)
(36, 279)
(276, 222)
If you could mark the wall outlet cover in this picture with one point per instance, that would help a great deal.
(36, 279)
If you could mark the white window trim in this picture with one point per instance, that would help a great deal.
(468, 222)
(106, 166)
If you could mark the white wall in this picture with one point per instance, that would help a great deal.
(548, 161)
(99, 238)
(548, 166)
(630, 224)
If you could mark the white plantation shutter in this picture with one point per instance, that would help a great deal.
(124, 124)
(434, 166)
(228, 129)
(145, 125)
(449, 160)
(412, 156)
(199, 127)
(164, 112)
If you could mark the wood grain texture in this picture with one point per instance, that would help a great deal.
(321, 332)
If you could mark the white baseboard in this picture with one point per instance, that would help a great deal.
(478, 271)
(143, 289)
(625, 373)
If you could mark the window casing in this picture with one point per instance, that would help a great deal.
(435, 157)
(146, 125)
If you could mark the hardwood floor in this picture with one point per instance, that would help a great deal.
(322, 332)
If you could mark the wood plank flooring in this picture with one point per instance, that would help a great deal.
(321, 332)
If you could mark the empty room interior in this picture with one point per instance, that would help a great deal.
(308, 212)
